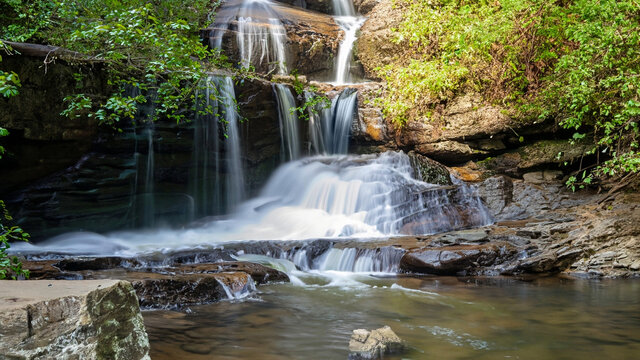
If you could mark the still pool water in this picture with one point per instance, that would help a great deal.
(439, 317)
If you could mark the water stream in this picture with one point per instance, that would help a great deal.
(439, 317)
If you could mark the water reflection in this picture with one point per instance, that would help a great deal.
(440, 317)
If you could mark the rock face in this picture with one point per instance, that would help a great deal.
(374, 344)
(375, 47)
(97, 319)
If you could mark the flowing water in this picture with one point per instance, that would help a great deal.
(350, 23)
(330, 126)
(339, 197)
(339, 283)
(289, 133)
(439, 318)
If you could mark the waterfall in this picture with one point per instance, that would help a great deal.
(235, 184)
(350, 23)
(218, 101)
(289, 133)
(386, 259)
(238, 294)
(204, 180)
(148, 209)
(260, 35)
(330, 127)
(343, 8)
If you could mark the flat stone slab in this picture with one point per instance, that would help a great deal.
(18, 294)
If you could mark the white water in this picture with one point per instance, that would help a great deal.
(289, 133)
(204, 181)
(235, 183)
(260, 35)
(210, 191)
(330, 127)
(366, 196)
(350, 25)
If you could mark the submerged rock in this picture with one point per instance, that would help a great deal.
(374, 344)
(97, 319)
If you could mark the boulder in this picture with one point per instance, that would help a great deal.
(374, 344)
(428, 170)
(93, 319)
(457, 259)
(364, 7)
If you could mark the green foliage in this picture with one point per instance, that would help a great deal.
(452, 44)
(150, 51)
(10, 266)
(595, 87)
(20, 20)
(313, 102)
(9, 81)
(577, 61)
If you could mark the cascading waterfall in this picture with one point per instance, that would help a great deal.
(219, 102)
(205, 185)
(260, 36)
(149, 211)
(235, 183)
(350, 23)
(330, 127)
(289, 133)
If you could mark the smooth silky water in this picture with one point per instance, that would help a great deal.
(341, 197)
(439, 317)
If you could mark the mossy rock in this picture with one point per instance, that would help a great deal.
(428, 170)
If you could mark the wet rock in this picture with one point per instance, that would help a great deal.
(550, 261)
(371, 126)
(259, 273)
(428, 170)
(469, 172)
(374, 344)
(458, 259)
(173, 291)
(97, 319)
(323, 6)
(99, 263)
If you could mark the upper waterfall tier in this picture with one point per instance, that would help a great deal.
(274, 37)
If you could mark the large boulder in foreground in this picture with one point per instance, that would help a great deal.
(92, 319)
